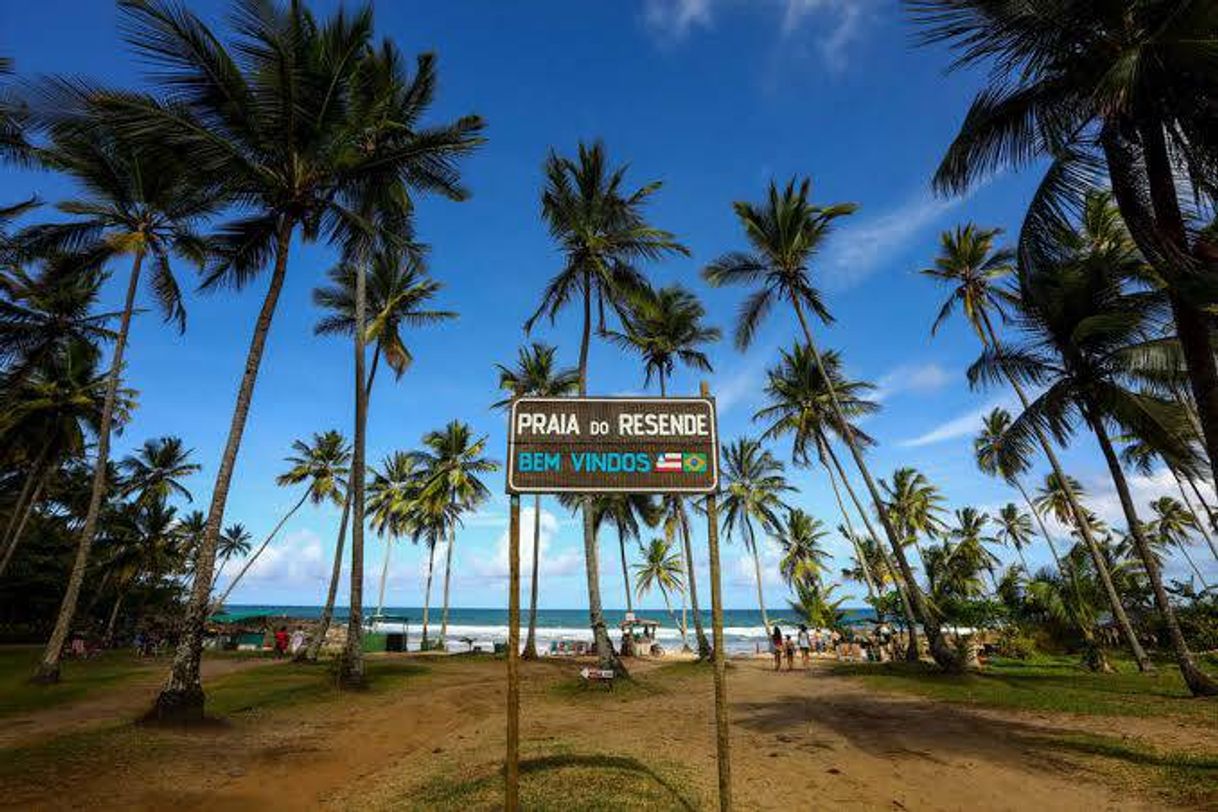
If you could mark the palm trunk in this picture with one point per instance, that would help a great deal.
(26, 512)
(911, 620)
(1210, 515)
(1040, 523)
(1094, 658)
(704, 647)
(351, 669)
(1201, 522)
(327, 612)
(1193, 326)
(48, 669)
(219, 573)
(858, 550)
(31, 489)
(1184, 551)
(1196, 679)
(431, 564)
(621, 544)
(943, 654)
(108, 637)
(765, 620)
(605, 654)
(1081, 523)
(249, 562)
(380, 595)
(448, 570)
(530, 641)
(181, 700)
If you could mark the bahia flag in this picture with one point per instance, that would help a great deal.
(670, 462)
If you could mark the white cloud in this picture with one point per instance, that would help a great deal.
(744, 382)
(837, 23)
(297, 558)
(927, 377)
(552, 562)
(675, 18)
(863, 245)
(965, 425)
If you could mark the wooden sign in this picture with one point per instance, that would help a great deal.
(613, 445)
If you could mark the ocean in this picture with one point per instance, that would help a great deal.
(742, 628)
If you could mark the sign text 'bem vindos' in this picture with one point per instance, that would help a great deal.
(613, 445)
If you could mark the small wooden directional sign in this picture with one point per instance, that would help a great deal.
(613, 445)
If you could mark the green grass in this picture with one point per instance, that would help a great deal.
(577, 689)
(562, 780)
(261, 689)
(1056, 684)
(1187, 779)
(237, 697)
(79, 678)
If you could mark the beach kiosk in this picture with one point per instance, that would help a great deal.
(639, 637)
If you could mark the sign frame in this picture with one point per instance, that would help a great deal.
(695, 491)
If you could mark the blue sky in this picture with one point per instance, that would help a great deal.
(715, 98)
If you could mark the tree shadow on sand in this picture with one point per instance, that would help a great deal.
(565, 781)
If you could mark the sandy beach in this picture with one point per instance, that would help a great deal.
(430, 734)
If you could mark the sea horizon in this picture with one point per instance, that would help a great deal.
(483, 626)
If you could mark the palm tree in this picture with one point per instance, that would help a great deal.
(432, 523)
(535, 375)
(46, 317)
(56, 408)
(629, 514)
(800, 405)
(152, 472)
(452, 460)
(997, 456)
(666, 326)
(1015, 531)
(970, 539)
(399, 294)
(1173, 524)
(235, 541)
(969, 266)
(785, 232)
(322, 467)
(1087, 346)
(392, 494)
(301, 163)
(149, 546)
(661, 569)
(1141, 457)
(602, 232)
(1096, 85)
(755, 484)
(803, 557)
(916, 506)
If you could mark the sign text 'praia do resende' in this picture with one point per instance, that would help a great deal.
(613, 445)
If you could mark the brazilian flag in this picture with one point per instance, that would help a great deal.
(693, 463)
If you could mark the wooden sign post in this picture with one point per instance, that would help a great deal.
(723, 744)
(590, 445)
(512, 768)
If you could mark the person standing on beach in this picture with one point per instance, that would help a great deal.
(805, 645)
(776, 646)
(789, 649)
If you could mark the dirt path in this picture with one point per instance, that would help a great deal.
(125, 701)
(800, 740)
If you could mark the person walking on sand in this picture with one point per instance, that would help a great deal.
(789, 649)
(297, 641)
(776, 646)
(805, 645)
